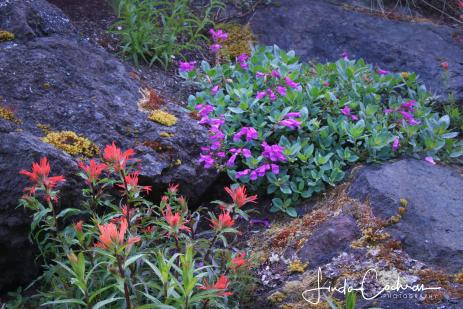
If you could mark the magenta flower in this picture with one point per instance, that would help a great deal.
(291, 83)
(242, 61)
(275, 169)
(274, 152)
(215, 48)
(216, 134)
(409, 118)
(260, 75)
(430, 160)
(218, 35)
(249, 132)
(271, 94)
(242, 173)
(387, 111)
(281, 90)
(215, 89)
(187, 66)
(395, 144)
(216, 122)
(382, 72)
(231, 160)
(220, 154)
(290, 123)
(264, 222)
(409, 105)
(275, 74)
(208, 160)
(345, 55)
(204, 109)
(346, 111)
(293, 115)
(260, 95)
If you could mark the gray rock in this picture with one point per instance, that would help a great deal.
(431, 230)
(329, 240)
(52, 77)
(322, 30)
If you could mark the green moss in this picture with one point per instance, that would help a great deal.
(72, 143)
(6, 36)
(163, 118)
(240, 40)
(276, 297)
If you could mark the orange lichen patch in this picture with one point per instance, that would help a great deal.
(459, 278)
(282, 238)
(430, 276)
(7, 113)
(158, 146)
(316, 218)
(151, 100)
(433, 297)
(194, 115)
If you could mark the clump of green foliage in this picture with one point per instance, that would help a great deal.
(293, 128)
(157, 31)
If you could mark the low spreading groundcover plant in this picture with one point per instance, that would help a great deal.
(126, 252)
(293, 128)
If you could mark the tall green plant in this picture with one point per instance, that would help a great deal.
(157, 31)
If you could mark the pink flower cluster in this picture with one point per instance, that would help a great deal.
(280, 89)
(406, 110)
(218, 37)
(290, 122)
(242, 60)
(347, 112)
(187, 66)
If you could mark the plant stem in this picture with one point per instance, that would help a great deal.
(126, 286)
(210, 247)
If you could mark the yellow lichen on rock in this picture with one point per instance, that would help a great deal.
(163, 118)
(240, 40)
(7, 114)
(166, 134)
(72, 143)
(296, 266)
(6, 36)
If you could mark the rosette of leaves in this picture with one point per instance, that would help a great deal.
(328, 141)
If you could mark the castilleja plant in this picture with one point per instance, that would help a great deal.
(122, 251)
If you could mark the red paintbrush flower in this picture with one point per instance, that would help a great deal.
(116, 158)
(78, 226)
(239, 196)
(175, 221)
(224, 221)
(93, 170)
(221, 284)
(39, 175)
(110, 235)
(239, 260)
(132, 183)
(173, 188)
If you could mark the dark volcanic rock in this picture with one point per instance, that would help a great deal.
(322, 30)
(431, 230)
(329, 240)
(52, 77)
